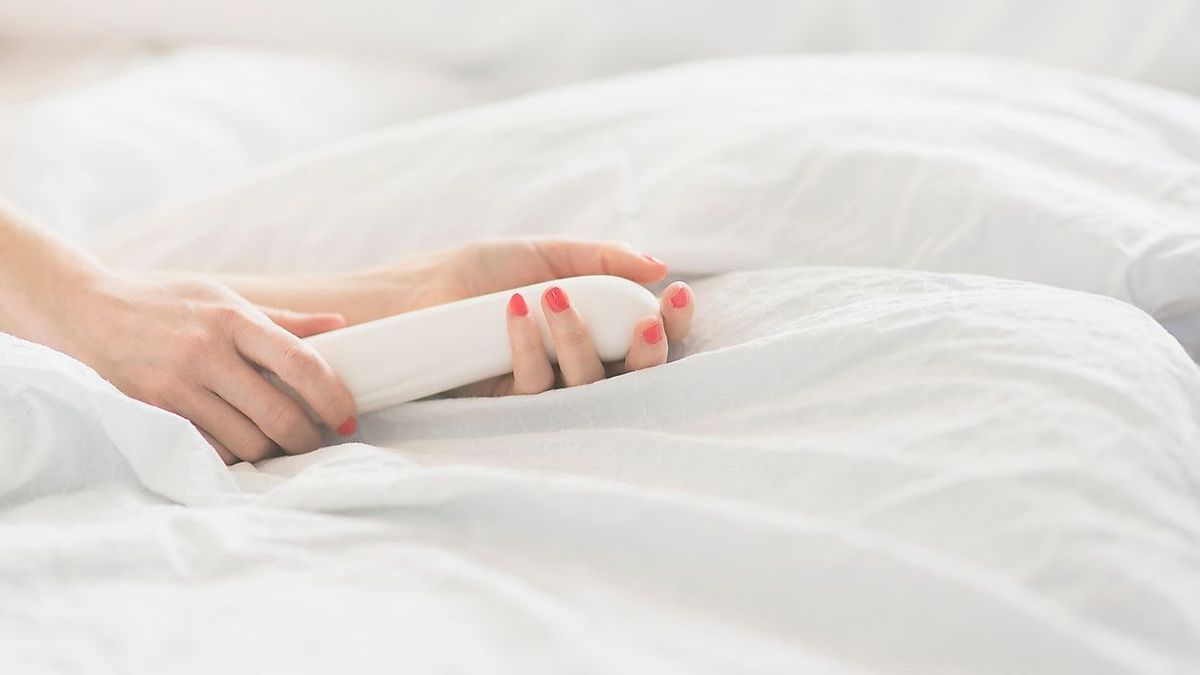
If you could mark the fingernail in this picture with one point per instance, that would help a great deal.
(654, 260)
(348, 427)
(652, 334)
(557, 300)
(679, 298)
(516, 305)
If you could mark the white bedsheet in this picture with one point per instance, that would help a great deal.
(845, 469)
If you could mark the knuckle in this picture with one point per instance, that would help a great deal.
(193, 347)
(303, 365)
(284, 419)
(161, 388)
(301, 361)
(229, 315)
(226, 312)
(574, 338)
(256, 449)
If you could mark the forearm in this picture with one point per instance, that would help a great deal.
(358, 296)
(339, 293)
(38, 270)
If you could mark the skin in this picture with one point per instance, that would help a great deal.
(486, 267)
(196, 345)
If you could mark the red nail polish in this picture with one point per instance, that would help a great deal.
(654, 260)
(348, 427)
(652, 334)
(516, 305)
(557, 300)
(679, 299)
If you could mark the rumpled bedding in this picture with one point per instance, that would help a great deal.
(117, 127)
(937, 413)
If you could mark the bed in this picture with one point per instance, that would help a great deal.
(939, 413)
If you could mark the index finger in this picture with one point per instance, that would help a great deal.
(300, 367)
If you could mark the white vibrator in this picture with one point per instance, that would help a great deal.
(417, 354)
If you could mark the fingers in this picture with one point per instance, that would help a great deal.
(577, 357)
(232, 432)
(301, 368)
(532, 372)
(649, 345)
(570, 258)
(677, 306)
(302, 324)
(275, 413)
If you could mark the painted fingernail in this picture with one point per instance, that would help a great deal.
(516, 305)
(348, 427)
(654, 260)
(557, 300)
(653, 334)
(679, 299)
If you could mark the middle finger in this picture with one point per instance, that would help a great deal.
(577, 358)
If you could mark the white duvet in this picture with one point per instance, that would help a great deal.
(927, 421)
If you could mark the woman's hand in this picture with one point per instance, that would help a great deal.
(190, 347)
(577, 360)
(489, 266)
(195, 348)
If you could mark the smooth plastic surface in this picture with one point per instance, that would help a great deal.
(414, 355)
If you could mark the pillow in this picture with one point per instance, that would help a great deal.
(936, 163)
(540, 42)
(172, 124)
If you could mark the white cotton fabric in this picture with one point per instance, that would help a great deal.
(540, 42)
(845, 469)
(92, 132)
(936, 163)
(849, 471)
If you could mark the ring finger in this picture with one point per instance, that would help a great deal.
(227, 426)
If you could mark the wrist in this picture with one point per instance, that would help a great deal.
(42, 294)
(413, 283)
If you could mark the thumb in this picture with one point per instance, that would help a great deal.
(302, 324)
(574, 257)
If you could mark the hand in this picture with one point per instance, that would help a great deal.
(486, 267)
(489, 266)
(577, 360)
(195, 348)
